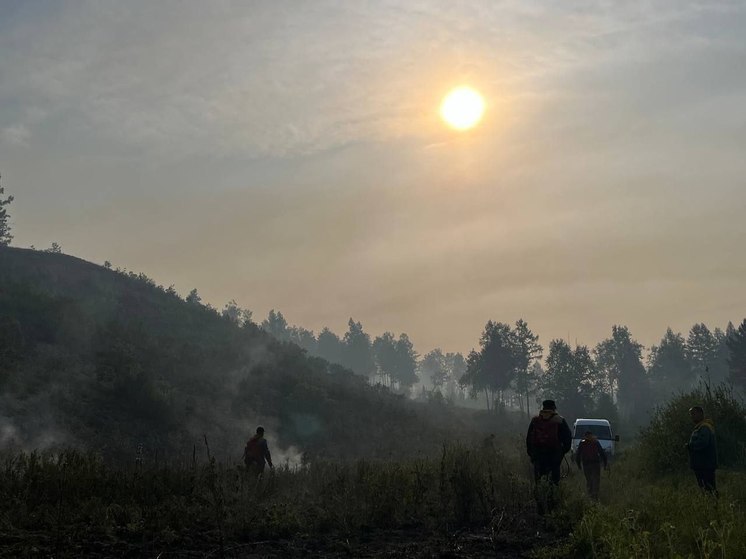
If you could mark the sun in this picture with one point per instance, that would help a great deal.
(462, 108)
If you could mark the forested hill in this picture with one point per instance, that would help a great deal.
(106, 360)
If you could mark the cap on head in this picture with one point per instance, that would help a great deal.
(260, 430)
(588, 433)
(696, 409)
(548, 405)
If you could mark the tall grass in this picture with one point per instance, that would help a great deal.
(68, 500)
(70, 503)
(655, 518)
(651, 505)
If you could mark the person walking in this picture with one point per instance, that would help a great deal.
(590, 454)
(702, 448)
(547, 441)
(256, 453)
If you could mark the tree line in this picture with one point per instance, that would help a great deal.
(510, 368)
(507, 370)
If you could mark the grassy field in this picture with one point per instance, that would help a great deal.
(71, 504)
(651, 518)
(651, 506)
(467, 502)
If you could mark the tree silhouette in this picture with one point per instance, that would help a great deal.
(668, 365)
(701, 350)
(358, 353)
(499, 357)
(406, 362)
(456, 365)
(193, 298)
(719, 371)
(276, 325)
(303, 338)
(570, 378)
(493, 369)
(236, 314)
(329, 346)
(5, 236)
(384, 352)
(473, 377)
(737, 360)
(434, 367)
(619, 359)
(529, 351)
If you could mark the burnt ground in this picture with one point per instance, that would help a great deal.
(390, 543)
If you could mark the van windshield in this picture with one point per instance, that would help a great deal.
(601, 432)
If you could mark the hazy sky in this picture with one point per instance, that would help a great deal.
(290, 155)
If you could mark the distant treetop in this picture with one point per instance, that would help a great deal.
(5, 236)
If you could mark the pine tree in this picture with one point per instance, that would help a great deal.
(619, 359)
(358, 351)
(737, 361)
(668, 366)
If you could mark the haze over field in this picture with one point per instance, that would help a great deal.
(291, 156)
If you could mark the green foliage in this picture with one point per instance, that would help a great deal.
(671, 517)
(661, 443)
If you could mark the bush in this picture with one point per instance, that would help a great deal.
(662, 517)
(661, 449)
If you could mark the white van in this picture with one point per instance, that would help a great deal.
(601, 428)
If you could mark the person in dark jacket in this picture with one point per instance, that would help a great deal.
(256, 454)
(590, 454)
(702, 447)
(547, 441)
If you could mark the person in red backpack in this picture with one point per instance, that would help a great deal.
(590, 454)
(256, 454)
(547, 441)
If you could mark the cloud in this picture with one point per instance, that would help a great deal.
(17, 135)
(281, 80)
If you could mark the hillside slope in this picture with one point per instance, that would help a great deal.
(103, 360)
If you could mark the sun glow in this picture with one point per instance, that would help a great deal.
(462, 108)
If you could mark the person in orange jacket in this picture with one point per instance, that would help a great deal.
(256, 454)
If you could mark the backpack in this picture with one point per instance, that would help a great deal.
(588, 451)
(253, 451)
(546, 434)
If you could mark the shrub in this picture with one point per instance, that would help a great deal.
(661, 448)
